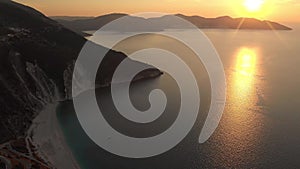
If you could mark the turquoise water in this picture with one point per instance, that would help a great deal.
(260, 125)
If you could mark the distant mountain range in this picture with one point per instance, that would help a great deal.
(156, 24)
(71, 18)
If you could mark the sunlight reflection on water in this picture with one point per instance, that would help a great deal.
(245, 68)
(243, 127)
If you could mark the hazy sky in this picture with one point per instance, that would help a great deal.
(278, 10)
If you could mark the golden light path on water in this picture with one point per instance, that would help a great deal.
(244, 72)
(242, 81)
(241, 124)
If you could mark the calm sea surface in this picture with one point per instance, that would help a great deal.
(260, 127)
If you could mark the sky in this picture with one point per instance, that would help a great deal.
(276, 10)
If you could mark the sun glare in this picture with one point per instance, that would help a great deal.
(253, 5)
(259, 9)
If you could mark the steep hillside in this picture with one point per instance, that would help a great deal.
(36, 62)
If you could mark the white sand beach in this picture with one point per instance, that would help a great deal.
(48, 137)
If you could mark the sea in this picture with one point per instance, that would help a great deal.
(259, 128)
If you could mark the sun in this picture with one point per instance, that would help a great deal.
(253, 5)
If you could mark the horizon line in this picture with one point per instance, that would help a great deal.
(166, 14)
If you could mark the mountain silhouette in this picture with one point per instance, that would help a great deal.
(159, 23)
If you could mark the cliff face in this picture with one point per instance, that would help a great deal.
(24, 89)
(36, 64)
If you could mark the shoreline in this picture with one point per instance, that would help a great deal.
(46, 134)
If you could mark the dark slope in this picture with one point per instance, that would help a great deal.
(36, 56)
(224, 22)
(38, 38)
